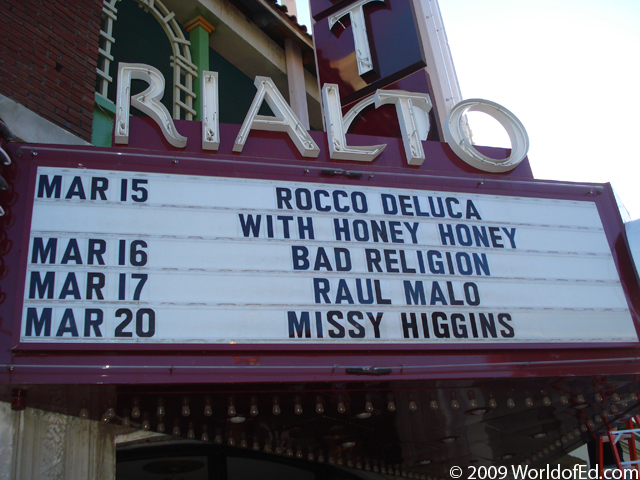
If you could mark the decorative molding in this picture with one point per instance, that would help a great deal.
(184, 70)
(109, 15)
(199, 21)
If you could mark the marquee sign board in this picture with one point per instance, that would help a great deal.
(138, 257)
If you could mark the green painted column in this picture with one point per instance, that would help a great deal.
(102, 129)
(199, 30)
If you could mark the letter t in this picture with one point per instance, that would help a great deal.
(356, 14)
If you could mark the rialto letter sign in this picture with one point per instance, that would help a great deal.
(411, 108)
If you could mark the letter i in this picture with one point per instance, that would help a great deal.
(450, 263)
(269, 226)
(319, 324)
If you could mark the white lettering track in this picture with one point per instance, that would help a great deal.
(255, 261)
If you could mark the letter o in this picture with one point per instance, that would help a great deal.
(303, 199)
(457, 138)
(359, 202)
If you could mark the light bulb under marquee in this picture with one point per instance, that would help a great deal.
(368, 405)
(135, 409)
(341, 406)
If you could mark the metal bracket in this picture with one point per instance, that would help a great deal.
(370, 370)
(332, 172)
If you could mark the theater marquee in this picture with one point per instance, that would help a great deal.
(131, 257)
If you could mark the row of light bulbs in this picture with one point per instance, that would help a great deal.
(569, 436)
(368, 404)
(280, 449)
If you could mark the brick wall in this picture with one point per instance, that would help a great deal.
(48, 58)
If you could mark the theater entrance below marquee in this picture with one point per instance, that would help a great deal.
(161, 457)
(373, 429)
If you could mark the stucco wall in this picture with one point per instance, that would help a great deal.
(35, 444)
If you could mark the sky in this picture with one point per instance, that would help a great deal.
(568, 69)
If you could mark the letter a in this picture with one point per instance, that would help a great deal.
(283, 121)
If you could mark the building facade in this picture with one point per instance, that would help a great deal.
(231, 249)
